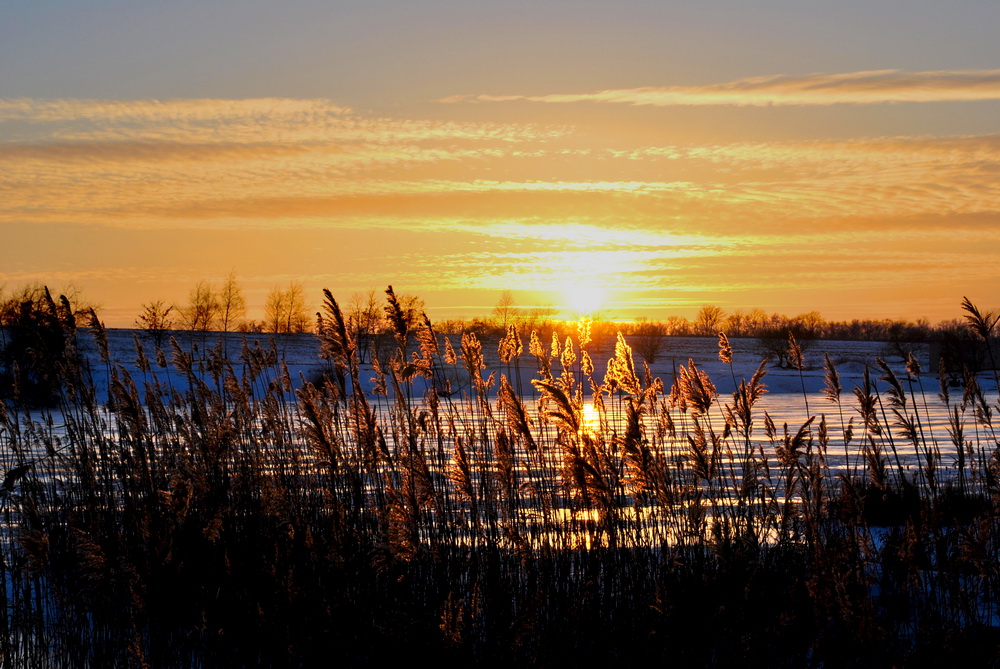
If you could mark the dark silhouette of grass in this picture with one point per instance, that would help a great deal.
(231, 522)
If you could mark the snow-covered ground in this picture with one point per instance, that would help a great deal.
(301, 354)
(792, 397)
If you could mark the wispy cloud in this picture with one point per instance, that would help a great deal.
(869, 87)
(411, 179)
(147, 151)
(448, 205)
(267, 120)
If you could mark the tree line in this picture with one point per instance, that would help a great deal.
(30, 316)
(223, 308)
(365, 315)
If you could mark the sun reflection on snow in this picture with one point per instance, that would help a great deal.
(590, 418)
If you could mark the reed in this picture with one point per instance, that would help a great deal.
(209, 515)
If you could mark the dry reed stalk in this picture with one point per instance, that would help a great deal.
(227, 506)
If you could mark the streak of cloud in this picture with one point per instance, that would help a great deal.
(867, 87)
(267, 120)
(129, 151)
(451, 206)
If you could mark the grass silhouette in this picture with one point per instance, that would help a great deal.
(215, 517)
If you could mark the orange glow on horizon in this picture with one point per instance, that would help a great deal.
(584, 299)
(137, 201)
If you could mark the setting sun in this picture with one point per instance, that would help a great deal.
(584, 299)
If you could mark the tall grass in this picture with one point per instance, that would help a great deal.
(214, 517)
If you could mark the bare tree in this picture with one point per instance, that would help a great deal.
(538, 318)
(773, 339)
(34, 293)
(364, 318)
(772, 342)
(201, 312)
(285, 310)
(809, 324)
(232, 304)
(413, 307)
(648, 339)
(504, 311)
(274, 310)
(678, 326)
(296, 319)
(737, 323)
(710, 319)
(756, 318)
(155, 319)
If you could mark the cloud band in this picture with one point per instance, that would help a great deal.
(869, 87)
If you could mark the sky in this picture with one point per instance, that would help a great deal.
(640, 158)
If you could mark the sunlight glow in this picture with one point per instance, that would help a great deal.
(590, 419)
(585, 299)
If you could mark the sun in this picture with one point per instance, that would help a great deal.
(584, 299)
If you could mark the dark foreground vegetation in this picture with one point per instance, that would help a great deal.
(206, 515)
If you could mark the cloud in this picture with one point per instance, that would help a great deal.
(869, 87)
(130, 151)
(308, 188)
(308, 163)
(800, 154)
(266, 120)
(153, 112)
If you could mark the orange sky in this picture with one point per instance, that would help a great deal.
(858, 189)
